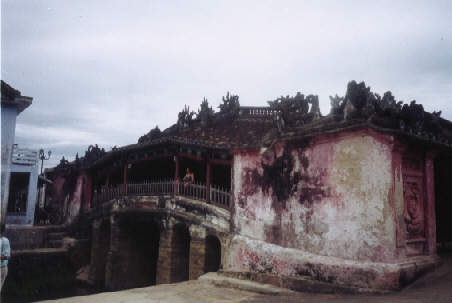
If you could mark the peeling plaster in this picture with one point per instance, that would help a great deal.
(338, 203)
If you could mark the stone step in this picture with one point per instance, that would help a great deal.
(55, 228)
(55, 235)
(54, 244)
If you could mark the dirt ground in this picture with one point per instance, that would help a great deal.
(433, 287)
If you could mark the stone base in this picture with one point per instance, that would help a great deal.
(297, 270)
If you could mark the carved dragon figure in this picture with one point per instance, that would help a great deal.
(205, 113)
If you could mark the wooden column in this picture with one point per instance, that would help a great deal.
(176, 174)
(429, 192)
(124, 187)
(208, 179)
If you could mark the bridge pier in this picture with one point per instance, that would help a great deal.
(197, 251)
(163, 263)
(167, 243)
(101, 233)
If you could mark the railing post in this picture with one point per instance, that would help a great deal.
(176, 174)
(208, 179)
(124, 188)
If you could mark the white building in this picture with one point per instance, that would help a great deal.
(19, 174)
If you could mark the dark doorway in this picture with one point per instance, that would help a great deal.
(180, 254)
(18, 193)
(138, 253)
(443, 198)
(213, 254)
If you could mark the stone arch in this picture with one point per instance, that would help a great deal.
(180, 253)
(134, 252)
(212, 261)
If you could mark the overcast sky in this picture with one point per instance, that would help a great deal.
(106, 72)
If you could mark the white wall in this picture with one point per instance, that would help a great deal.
(9, 114)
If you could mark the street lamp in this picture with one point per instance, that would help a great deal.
(42, 157)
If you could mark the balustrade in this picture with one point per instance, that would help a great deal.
(218, 196)
(24, 156)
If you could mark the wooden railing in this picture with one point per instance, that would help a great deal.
(107, 194)
(147, 188)
(24, 156)
(196, 190)
(220, 197)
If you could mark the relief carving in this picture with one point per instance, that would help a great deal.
(410, 164)
(413, 214)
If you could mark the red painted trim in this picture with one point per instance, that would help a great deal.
(244, 150)
(221, 161)
(150, 158)
(429, 184)
(190, 156)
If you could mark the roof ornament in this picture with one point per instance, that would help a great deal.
(93, 154)
(63, 163)
(230, 107)
(385, 112)
(295, 111)
(151, 135)
(205, 113)
(184, 118)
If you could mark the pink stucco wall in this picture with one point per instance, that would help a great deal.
(58, 194)
(75, 201)
(68, 203)
(330, 198)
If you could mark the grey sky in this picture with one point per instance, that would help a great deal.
(107, 72)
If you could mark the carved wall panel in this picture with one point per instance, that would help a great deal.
(414, 208)
(410, 164)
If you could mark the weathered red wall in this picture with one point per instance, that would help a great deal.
(69, 202)
(58, 194)
(75, 200)
(333, 196)
(88, 190)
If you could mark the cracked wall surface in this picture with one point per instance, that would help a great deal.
(329, 198)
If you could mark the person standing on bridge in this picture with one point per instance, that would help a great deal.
(188, 179)
(5, 254)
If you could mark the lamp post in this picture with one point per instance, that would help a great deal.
(42, 157)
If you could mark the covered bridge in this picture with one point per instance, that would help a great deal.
(280, 194)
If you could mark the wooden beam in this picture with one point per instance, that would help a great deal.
(190, 156)
(150, 158)
(221, 161)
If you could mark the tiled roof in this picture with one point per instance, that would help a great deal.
(294, 119)
(11, 96)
